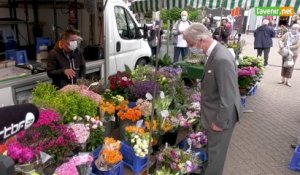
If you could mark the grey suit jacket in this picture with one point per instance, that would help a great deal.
(220, 96)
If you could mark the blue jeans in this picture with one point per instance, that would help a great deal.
(180, 50)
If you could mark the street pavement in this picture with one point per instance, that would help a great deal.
(260, 144)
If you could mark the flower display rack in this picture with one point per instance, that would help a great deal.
(252, 91)
(295, 161)
(243, 101)
(117, 169)
(136, 164)
(200, 152)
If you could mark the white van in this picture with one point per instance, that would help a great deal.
(123, 44)
(126, 44)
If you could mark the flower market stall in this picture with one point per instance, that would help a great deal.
(125, 128)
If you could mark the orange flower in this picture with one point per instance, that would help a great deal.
(123, 106)
(148, 124)
(134, 129)
(166, 127)
(111, 157)
(130, 114)
(107, 107)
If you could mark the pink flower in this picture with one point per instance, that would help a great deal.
(60, 140)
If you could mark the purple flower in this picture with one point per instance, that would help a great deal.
(170, 72)
(160, 157)
(195, 97)
(140, 88)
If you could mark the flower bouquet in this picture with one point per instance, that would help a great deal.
(178, 160)
(248, 76)
(132, 114)
(26, 158)
(140, 88)
(138, 139)
(197, 140)
(90, 131)
(110, 154)
(142, 73)
(77, 165)
(50, 136)
(119, 83)
(83, 91)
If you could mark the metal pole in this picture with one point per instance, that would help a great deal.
(76, 14)
(55, 20)
(27, 22)
(168, 36)
(221, 15)
(16, 25)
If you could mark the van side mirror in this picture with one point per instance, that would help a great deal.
(143, 32)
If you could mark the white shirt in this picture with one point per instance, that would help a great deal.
(182, 27)
(211, 48)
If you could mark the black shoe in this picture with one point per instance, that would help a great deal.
(293, 146)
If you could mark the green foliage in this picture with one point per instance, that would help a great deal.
(164, 61)
(175, 14)
(128, 70)
(43, 93)
(68, 104)
(142, 73)
(251, 61)
(95, 139)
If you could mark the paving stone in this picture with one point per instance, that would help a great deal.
(260, 144)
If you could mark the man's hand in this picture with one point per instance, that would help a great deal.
(70, 73)
(214, 127)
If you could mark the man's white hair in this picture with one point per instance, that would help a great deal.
(196, 32)
(265, 22)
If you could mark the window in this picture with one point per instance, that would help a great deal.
(126, 26)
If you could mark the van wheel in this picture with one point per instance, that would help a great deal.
(141, 62)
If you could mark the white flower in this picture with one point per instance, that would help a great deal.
(94, 127)
(93, 120)
(149, 96)
(75, 118)
(136, 136)
(87, 125)
(162, 94)
(132, 140)
(196, 105)
(164, 113)
(79, 118)
(87, 118)
(124, 78)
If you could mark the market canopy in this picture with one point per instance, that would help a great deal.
(154, 5)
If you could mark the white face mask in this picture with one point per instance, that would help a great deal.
(196, 50)
(72, 45)
(183, 18)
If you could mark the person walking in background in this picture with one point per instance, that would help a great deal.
(222, 33)
(180, 43)
(154, 39)
(290, 40)
(221, 101)
(263, 40)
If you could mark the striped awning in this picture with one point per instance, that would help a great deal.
(154, 5)
(231, 4)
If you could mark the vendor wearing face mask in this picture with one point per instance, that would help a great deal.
(65, 62)
(180, 43)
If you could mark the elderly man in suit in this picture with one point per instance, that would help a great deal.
(220, 97)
